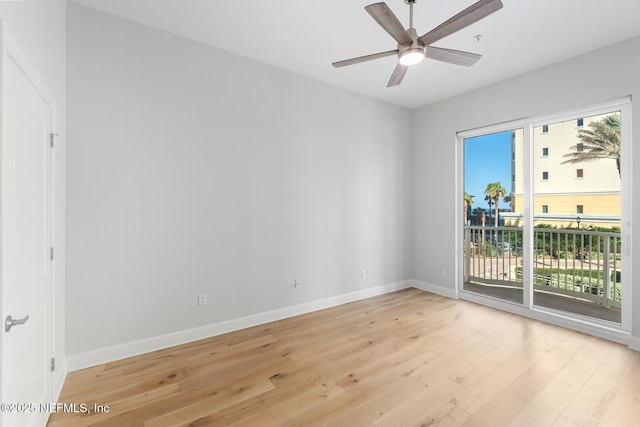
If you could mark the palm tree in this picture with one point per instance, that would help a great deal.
(490, 201)
(468, 201)
(495, 191)
(602, 141)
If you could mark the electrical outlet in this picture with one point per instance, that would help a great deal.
(363, 274)
(202, 300)
(297, 283)
(444, 272)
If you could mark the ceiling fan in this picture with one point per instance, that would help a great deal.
(413, 49)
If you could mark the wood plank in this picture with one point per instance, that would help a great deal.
(243, 411)
(305, 401)
(592, 401)
(624, 410)
(209, 408)
(448, 415)
(507, 403)
(547, 406)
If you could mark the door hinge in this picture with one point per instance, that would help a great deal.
(53, 364)
(52, 138)
(51, 253)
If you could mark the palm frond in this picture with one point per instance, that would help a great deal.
(601, 141)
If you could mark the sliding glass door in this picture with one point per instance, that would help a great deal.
(577, 207)
(492, 235)
(543, 214)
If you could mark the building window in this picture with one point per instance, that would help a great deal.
(545, 176)
(545, 208)
(580, 122)
(579, 147)
(545, 128)
(579, 209)
(579, 173)
(545, 152)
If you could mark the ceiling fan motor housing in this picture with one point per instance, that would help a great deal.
(410, 54)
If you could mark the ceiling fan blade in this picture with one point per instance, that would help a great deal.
(469, 16)
(387, 20)
(365, 58)
(451, 56)
(398, 75)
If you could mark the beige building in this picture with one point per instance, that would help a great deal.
(565, 195)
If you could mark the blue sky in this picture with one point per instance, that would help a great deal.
(487, 159)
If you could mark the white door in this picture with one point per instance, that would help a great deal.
(27, 235)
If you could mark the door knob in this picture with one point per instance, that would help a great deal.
(10, 322)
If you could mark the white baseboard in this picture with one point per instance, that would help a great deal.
(439, 290)
(634, 343)
(134, 348)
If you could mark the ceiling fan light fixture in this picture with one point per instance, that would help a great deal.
(411, 56)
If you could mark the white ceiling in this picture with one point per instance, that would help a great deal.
(306, 36)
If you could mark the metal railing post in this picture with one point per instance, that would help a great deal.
(467, 254)
(607, 270)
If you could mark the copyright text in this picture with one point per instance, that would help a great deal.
(75, 408)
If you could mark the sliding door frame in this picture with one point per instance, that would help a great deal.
(594, 326)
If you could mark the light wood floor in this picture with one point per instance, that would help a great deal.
(402, 359)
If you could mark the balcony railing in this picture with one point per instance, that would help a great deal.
(576, 263)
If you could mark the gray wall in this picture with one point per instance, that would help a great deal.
(40, 29)
(192, 170)
(593, 78)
